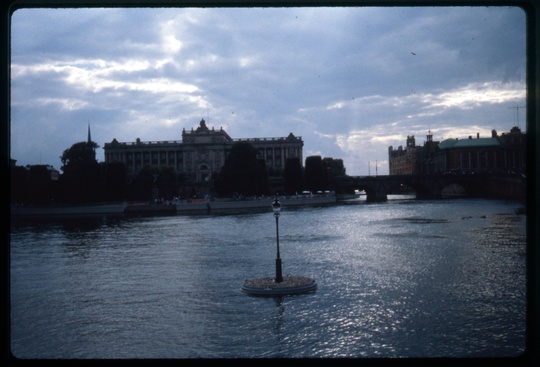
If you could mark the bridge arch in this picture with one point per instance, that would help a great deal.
(372, 195)
(420, 189)
(454, 190)
(436, 186)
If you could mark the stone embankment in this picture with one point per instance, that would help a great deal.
(260, 203)
(193, 206)
(105, 209)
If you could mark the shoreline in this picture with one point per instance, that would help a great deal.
(195, 206)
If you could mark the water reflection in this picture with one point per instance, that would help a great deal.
(392, 283)
(279, 333)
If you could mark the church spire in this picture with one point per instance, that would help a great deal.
(89, 136)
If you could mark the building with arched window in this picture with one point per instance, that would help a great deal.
(201, 153)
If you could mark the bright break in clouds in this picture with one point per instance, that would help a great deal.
(349, 81)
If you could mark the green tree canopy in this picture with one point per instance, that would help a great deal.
(336, 166)
(81, 181)
(333, 168)
(115, 181)
(19, 189)
(314, 173)
(42, 185)
(80, 155)
(242, 172)
(163, 178)
(293, 176)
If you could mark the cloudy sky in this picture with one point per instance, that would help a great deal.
(350, 81)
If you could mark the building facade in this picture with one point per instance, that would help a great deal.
(498, 153)
(201, 153)
(403, 161)
(513, 150)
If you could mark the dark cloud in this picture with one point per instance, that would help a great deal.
(350, 81)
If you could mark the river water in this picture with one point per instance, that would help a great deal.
(403, 278)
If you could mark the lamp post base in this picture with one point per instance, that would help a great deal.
(269, 287)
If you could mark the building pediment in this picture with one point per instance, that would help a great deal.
(205, 135)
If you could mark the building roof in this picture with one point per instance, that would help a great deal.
(469, 143)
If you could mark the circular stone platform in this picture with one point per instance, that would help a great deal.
(268, 287)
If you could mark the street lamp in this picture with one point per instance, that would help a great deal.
(276, 206)
(278, 286)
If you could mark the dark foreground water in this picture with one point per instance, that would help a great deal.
(403, 278)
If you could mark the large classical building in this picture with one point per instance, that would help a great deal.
(498, 153)
(201, 153)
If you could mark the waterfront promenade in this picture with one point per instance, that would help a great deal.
(184, 207)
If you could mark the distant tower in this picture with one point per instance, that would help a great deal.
(429, 136)
(410, 141)
(89, 142)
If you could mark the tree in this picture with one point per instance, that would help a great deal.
(167, 182)
(242, 172)
(41, 186)
(333, 168)
(19, 185)
(140, 186)
(314, 173)
(81, 180)
(149, 177)
(293, 176)
(264, 175)
(82, 153)
(115, 181)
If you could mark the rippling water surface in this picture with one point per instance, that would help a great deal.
(403, 278)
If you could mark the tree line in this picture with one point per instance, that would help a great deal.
(85, 180)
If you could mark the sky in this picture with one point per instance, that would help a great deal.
(350, 81)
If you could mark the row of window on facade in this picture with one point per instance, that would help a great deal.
(136, 160)
(261, 152)
(511, 161)
(201, 153)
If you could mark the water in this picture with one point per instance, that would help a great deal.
(403, 278)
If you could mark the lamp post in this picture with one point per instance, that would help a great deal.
(276, 206)
(278, 286)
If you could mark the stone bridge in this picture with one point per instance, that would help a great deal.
(435, 186)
